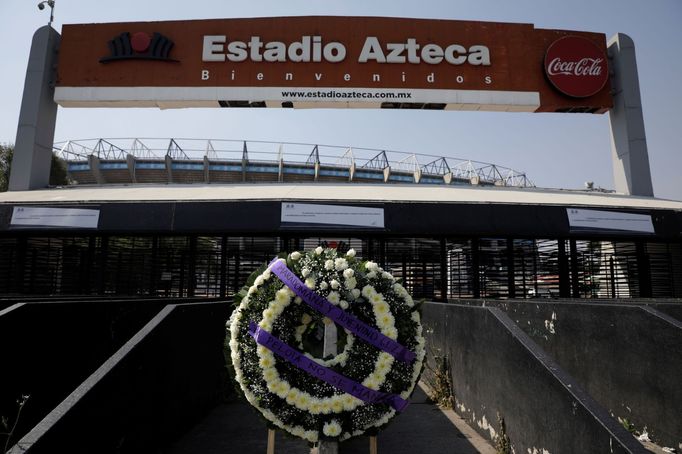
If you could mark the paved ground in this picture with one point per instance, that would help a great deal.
(422, 428)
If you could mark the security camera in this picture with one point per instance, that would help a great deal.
(41, 6)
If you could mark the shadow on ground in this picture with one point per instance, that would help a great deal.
(235, 427)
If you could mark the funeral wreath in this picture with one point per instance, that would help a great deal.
(276, 335)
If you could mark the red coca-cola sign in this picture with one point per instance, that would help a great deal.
(576, 66)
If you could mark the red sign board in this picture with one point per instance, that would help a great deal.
(576, 66)
(324, 61)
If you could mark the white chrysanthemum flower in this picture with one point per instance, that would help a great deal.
(350, 283)
(388, 276)
(292, 396)
(380, 307)
(295, 255)
(340, 264)
(310, 283)
(268, 316)
(351, 253)
(334, 297)
(371, 275)
(283, 296)
(267, 274)
(355, 292)
(370, 383)
(337, 404)
(324, 285)
(343, 304)
(348, 272)
(310, 435)
(318, 250)
(306, 318)
(376, 298)
(415, 316)
(335, 284)
(368, 291)
(302, 401)
(386, 320)
(315, 407)
(325, 407)
(305, 272)
(329, 264)
(349, 402)
(372, 266)
(332, 428)
(266, 363)
(259, 281)
(298, 300)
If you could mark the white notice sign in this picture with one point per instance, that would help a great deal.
(307, 213)
(609, 220)
(55, 217)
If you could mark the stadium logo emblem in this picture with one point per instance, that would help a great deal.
(576, 66)
(139, 46)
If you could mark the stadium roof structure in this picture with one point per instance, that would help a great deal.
(175, 160)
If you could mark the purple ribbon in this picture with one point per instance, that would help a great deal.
(325, 374)
(348, 321)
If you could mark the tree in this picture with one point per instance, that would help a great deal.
(6, 152)
(58, 173)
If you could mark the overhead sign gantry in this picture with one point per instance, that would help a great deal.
(320, 61)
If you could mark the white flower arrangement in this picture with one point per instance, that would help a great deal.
(289, 397)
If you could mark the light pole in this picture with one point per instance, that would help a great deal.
(50, 3)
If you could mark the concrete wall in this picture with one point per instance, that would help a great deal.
(48, 349)
(628, 358)
(673, 310)
(497, 368)
(158, 384)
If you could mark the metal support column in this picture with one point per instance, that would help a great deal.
(223, 266)
(154, 269)
(443, 271)
(89, 265)
(564, 276)
(475, 268)
(511, 272)
(644, 270)
(192, 266)
(102, 268)
(575, 280)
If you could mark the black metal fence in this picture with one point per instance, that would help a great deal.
(432, 268)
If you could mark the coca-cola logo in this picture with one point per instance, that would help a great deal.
(576, 66)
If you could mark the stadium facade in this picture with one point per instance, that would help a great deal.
(172, 223)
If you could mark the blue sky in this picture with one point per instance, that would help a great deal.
(556, 150)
